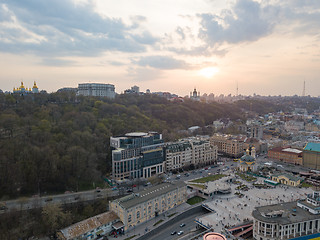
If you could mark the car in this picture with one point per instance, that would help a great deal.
(173, 233)
(182, 224)
(129, 190)
(134, 185)
(49, 199)
(180, 233)
(114, 188)
(76, 198)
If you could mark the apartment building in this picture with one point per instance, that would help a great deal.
(228, 145)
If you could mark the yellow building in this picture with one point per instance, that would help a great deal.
(139, 207)
(287, 179)
(248, 161)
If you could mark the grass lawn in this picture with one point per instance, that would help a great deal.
(160, 221)
(172, 214)
(194, 200)
(247, 177)
(305, 185)
(128, 238)
(210, 178)
(198, 185)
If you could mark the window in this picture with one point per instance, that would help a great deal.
(138, 214)
(156, 206)
(149, 209)
(129, 218)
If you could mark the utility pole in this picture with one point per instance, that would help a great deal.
(304, 89)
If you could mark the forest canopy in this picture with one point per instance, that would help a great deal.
(59, 141)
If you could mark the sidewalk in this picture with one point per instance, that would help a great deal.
(145, 227)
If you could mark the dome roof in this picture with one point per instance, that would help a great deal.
(247, 158)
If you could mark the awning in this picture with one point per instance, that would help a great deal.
(118, 225)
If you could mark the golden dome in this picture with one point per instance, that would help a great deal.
(22, 85)
(35, 85)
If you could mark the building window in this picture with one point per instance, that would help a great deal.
(129, 218)
(149, 209)
(138, 214)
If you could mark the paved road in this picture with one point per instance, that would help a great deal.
(166, 233)
(36, 202)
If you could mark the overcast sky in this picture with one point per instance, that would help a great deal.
(268, 47)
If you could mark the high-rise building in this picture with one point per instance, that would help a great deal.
(96, 90)
(137, 155)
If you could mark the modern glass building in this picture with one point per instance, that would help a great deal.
(136, 155)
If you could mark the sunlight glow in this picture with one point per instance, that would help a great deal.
(209, 72)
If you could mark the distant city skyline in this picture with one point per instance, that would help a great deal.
(258, 46)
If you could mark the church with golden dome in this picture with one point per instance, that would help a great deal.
(247, 162)
(23, 90)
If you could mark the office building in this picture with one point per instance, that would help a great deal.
(140, 207)
(96, 90)
(287, 220)
(137, 155)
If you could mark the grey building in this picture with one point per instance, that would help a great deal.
(287, 220)
(96, 90)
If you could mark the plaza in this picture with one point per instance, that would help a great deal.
(231, 210)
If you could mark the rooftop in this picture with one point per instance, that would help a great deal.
(289, 176)
(313, 147)
(88, 225)
(284, 213)
(148, 194)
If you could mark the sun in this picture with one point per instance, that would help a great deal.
(209, 72)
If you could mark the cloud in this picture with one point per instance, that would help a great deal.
(62, 28)
(145, 74)
(162, 62)
(55, 62)
(244, 23)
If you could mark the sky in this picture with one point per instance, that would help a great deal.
(266, 47)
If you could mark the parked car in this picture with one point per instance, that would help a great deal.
(182, 224)
(173, 233)
(180, 233)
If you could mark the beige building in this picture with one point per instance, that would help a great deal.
(287, 179)
(203, 153)
(189, 151)
(139, 207)
(178, 155)
(227, 145)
